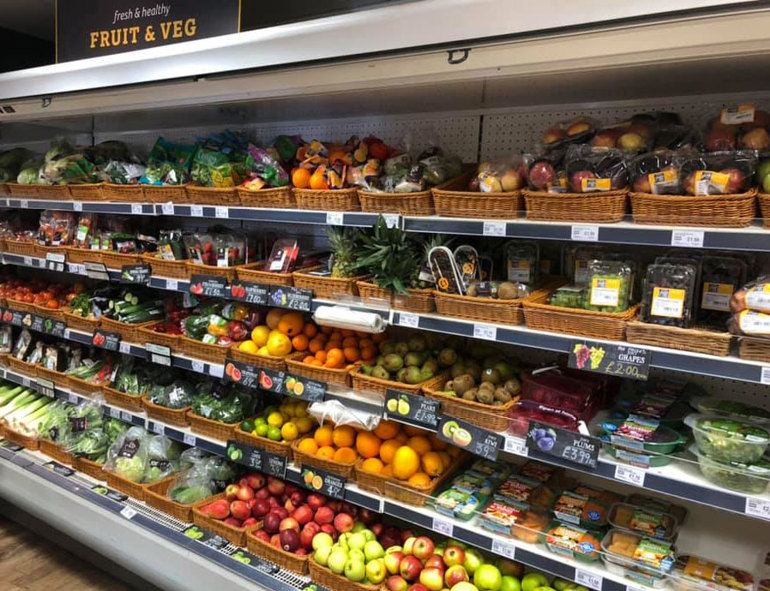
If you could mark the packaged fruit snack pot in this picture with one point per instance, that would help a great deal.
(654, 556)
(668, 295)
(580, 510)
(609, 286)
(572, 541)
(737, 476)
(692, 573)
(522, 261)
(620, 561)
(457, 503)
(643, 521)
(726, 440)
(568, 296)
(732, 409)
(518, 489)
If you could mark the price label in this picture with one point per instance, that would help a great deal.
(97, 271)
(27, 261)
(196, 211)
(190, 439)
(73, 398)
(419, 411)
(764, 377)
(127, 512)
(160, 359)
(114, 412)
(77, 206)
(543, 439)
(410, 320)
(23, 203)
(216, 371)
(222, 212)
(77, 268)
(126, 417)
(55, 261)
(208, 285)
(106, 340)
(197, 366)
(334, 218)
(293, 298)
(167, 209)
(125, 348)
(588, 579)
(442, 526)
(484, 331)
(46, 387)
(687, 238)
(630, 475)
(172, 284)
(323, 482)
(136, 208)
(251, 293)
(139, 274)
(504, 549)
(758, 508)
(516, 446)
(256, 458)
(25, 381)
(585, 233)
(616, 360)
(493, 229)
(392, 220)
(470, 437)
(67, 334)
(157, 428)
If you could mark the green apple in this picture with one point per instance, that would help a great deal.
(510, 583)
(376, 571)
(487, 577)
(369, 535)
(355, 570)
(532, 581)
(322, 540)
(322, 555)
(473, 560)
(373, 550)
(544, 588)
(562, 584)
(392, 549)
(358, 526)
(766, 183)
(355, 553)
(337, 560)
(763, 169)
(357, 541)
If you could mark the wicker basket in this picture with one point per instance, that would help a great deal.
(57, 377)
(114, 192)
(586, 323)
(763, 199)
(132, 489)
(80, 323)
(261, 361)
(87, 192)
(82, 387)
(254, 272)
(21, 306)
(4, 189)
(286, 560)
(482, 309)
(22, 366)
(418, 203)
(212, 195)
(399, 490)
(155, 495)
(235, 535)
(83, 255)
(214, 429)
(55, 313)
(26, 441)
(20, 190)
(605, 207)
(699, 340)
(278, 448)
(121, 399)
(327, 200)
(279, 198)
(170, 416)
(58, 192)
(494, 418)
(302, 458)
(21, 247)
(364, 383)
(201, 350)
(146, 334)
(294, 365)
(454, 200)
(755, 349)
(165, 193)
(325, 578)
(228, 273)
(173, 269)
(419, 300)
(89, 467)
(327, 287)
(55, 451)
(115, 260)
(717, 211)
(129, 332)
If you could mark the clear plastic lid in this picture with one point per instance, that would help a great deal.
(643, 520)
(610, 286)
(727, 440)
(732, 409)
(704, 573)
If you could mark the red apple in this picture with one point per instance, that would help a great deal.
(308, 533)
(262, 535)
(249, 522)
(343, 523)
(281, 511)
(276, 486)
(377, 529)
(432, 578)
(396, 583)
(351, 510)
(303, 514)
(406, 534)
(605, 139)
(289, 505)
(334, 505)
(393, 561)
(243, 482)
(423, 547)
(219, 509)
(367, 517)
(553, 135)
(315, 501)
(260, 508)
(324, 515)
(642, 184)
(245, 493)
(289, 540)
(542, 175)
(409, 545)
(510, 568)
(289, 523)
(435, 561)
(454, 555)
(255, 480)
(233, 522)
(328, 528)
(576, 180)
(262, 493)
(273, 502)
(231, 492)
(271, 523)
(290, 488)
(275, 540)
(298, 497)
(239, 510)
(720, 139)
(455, 574)
(300, 552)
(735, 181)
(410, 567)
(417, 587)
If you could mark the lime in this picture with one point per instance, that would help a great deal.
(262, 430)
(247, 426)
(260, 421)
(274, 433)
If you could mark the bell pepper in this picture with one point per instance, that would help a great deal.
(217, 326)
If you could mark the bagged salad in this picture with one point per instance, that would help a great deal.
(168, 163)
(127, 457)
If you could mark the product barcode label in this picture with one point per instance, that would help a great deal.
(160, 359)
(585, 233)
(24, 204)
(687, 238)
(136, 208)
(28, 261)
(668, 303)
(196, 211)
(125, 348)
(484, 331)
(77, 206)
(190, 439)
(167, 209)
(73, 398)
(410, 320)
(197, 366)
(716, 296)
(504, 549)
(221, 212)
(67, 334)
(588, 579)
(494, 229)
(515, 446)
(630, 475)
(216, 371)
(126, 417)
(334, 218)
(441, 526)
(157, 428)
(758, 508)
(128, 512)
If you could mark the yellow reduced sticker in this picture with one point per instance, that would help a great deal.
(708, 182)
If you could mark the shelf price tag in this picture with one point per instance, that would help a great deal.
(504, 549)
(251, 293)
(208, 285)
(77, 206)
(196, 211)
(136, 208)
(55, 261)
(221, 212)
(764, 376)
(114, 412)
(139, 274)
(46, 387)
(38, 323)
(55, 328)
(125, 348)
(630, 474)
(493, 228)
(560, 443)
(172, 284)
(407, 319)
(758, 508)
(334, 218)
(419, 411)
(293, 298)
(106, 340)
(392, 220)
(588, 579)
(73, 398)
(687, 238)
(470, 437)
(158, 354)
(585, 233)
(97, 271)
(126, 417)
(484, 331)
(155, 427)
(27, 261)
(444, 527)
(128, 512)
(167, 208)
(514, 445)
(615, 360)
(189, 439)
(323, 482)
(256, 458)
(24, 204)
(197, 365)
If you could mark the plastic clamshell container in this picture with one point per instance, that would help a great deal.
(514, 519)
(659, 505)
(732, 409)
(521, 490)
(635, 574)
(745, 478)
(692, 573)
(667, 410)
(660, 441)
(637, 559)
(580, 510)
(458, 504)
(525, 410)
(572, 541)
(728, 440)
(644, 521)
(557, 390)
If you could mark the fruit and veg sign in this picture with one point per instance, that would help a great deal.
(208, 285)
(106, 340)
(566, 445)
(614, 360)
(278, 382)
(251, 293)
(323, 482)
(418, 411)
(256, 458)
(139, 274)
(55, 327)
(293, 298)
(470, 437)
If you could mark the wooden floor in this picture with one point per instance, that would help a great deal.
(29, 563)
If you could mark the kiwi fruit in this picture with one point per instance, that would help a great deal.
(463, 383)
(513, 386)
(485, 396)
(491, 375)
(471, 394)
(507, 291)
(502, 395)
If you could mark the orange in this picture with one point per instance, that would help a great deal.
(367, 444)
(350, 342)
(368, 353)
(291, 323)
(327, 329)
(372, 465)
(347, 332)
(315, 345)
(344, 436)
(366, 342)
(332, 344)
(308, 445)
(321, 356)
(420, 444)
(308, 359)
(316, 363)
(310, 330)
(300, 342)
(386, 430)
(324, 435)
(412, 431)
(346, 455)
(388, 450)
(406, 463)
(351, 354)
(335, 358)
(432, 463)
(387, 470)
(317, 179)
(274, 317)
(420, 479)
(379, 337)
(300, 178)
(402, 437)
(453, 451)
(436, 443)
(446, 459)
(326, 452)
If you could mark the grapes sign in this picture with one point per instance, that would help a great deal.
(615, 360)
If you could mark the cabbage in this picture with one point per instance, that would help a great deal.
(130, 468)
(28, 176)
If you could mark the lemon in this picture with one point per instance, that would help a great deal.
(275, 419)
(289, 431)
(300, 410)
(259, 335)
(278, 344)
(263, 351)
(304, 424)
(248, 347)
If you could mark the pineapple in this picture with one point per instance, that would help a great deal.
(391, 256)
(424, 278)
(344, 242)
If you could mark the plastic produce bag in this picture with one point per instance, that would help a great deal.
(162, 458)
(55, 425)
(128, 455)
(266, 169)
(656, 172)
(719, 173)
(754, 296)
(545, 172)
(336, 412)
(11, 162)
(219, 402)
(591, 170)
(169, 163)
(178, 394)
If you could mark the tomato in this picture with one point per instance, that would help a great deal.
(52, 304)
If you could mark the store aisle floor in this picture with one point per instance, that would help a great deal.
(30, 563)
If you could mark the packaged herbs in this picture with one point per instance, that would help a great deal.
(668, 295)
